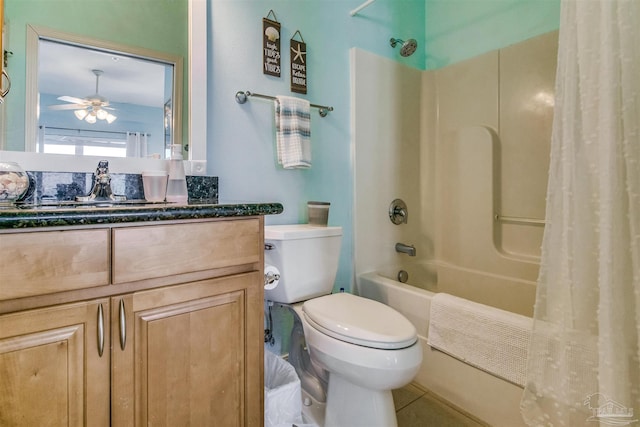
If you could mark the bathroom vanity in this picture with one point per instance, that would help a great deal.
(129, 316)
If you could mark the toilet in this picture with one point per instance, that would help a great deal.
(348, 351)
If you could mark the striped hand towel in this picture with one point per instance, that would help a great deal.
(293, 132)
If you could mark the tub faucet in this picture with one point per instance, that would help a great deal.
(101, 190)
(406, 249)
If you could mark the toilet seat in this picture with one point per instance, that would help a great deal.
(359, 321)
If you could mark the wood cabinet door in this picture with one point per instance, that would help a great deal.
(54, 366)
(185, 360)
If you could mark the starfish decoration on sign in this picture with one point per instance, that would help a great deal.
(299, 53)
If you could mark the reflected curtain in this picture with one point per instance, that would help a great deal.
(137, 144)
(584, 358)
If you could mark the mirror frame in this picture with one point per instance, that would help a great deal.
(197, 86)
(196, 119)
(35, 34)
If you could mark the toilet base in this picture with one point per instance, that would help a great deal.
(312, 410)
(351, 405)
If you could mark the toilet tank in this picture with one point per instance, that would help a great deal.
(306, 257)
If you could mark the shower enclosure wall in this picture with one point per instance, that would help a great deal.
(466, 148)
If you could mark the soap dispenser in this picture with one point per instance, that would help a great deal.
(177, 185)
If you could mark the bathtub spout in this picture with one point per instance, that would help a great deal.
(406, 249)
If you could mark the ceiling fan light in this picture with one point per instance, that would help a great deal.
(110, 118)
(102, 114)
(80, 114)
(91, 118)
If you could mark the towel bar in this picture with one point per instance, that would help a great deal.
(242, 97)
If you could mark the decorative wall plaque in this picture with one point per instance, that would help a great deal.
(271, 45)
(298, 64)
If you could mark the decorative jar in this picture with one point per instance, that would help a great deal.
(14, 182)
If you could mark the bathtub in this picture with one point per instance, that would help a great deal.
(489, 398)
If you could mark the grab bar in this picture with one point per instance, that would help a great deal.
(519, 220)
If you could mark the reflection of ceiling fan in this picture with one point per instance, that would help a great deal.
(89, 108)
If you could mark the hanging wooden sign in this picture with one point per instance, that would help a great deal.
(271, 45)
(298, 64)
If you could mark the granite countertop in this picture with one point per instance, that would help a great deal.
(29, 216)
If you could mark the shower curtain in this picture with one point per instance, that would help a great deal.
(584, 358)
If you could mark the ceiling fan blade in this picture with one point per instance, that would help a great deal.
(66, 106)
(71, 99)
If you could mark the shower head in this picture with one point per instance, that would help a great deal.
(408, 47)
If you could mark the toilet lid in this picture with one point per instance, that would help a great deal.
(360, 321)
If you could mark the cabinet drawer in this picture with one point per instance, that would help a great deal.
(150, 252)
(52, 261)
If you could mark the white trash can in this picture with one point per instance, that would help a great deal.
(282, 399)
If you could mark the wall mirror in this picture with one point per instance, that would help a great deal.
(92, 97)
(173, 28)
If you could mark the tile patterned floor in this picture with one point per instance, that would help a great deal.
(418, 408)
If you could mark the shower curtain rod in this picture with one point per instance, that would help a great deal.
(78, 130)
(359, 8)
(241, 98)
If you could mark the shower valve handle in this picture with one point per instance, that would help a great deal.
(398, 213)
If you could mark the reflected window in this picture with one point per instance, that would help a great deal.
(55, 140)
(86, 94)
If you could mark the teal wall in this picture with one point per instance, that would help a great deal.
(150, 24)
(241, 137)
(461, 29)
(146, 23)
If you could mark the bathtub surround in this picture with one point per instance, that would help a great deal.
(588, 296)
(474, 145)
(457, 157)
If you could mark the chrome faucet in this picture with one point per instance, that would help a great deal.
(101, 190)
(406, 249)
